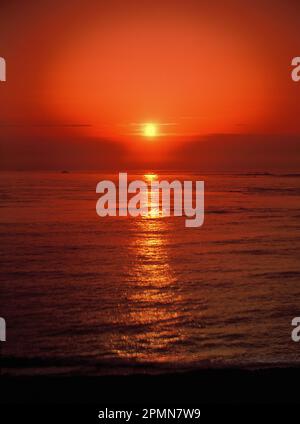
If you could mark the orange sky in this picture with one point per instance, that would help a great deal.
(85, 78)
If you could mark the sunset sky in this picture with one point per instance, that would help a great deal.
(84, 78)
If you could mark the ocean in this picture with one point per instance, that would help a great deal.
(84, 295)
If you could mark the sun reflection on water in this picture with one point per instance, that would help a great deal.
(150, 177)
(153, 297)
(154, 206)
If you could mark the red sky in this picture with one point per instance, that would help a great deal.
(83, 77)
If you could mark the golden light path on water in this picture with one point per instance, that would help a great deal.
(153, 204)
(153, 298)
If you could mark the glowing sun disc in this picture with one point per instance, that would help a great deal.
(150, 130)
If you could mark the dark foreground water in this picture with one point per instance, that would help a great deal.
(89, 295)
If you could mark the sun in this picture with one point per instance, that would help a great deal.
(150, 130)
